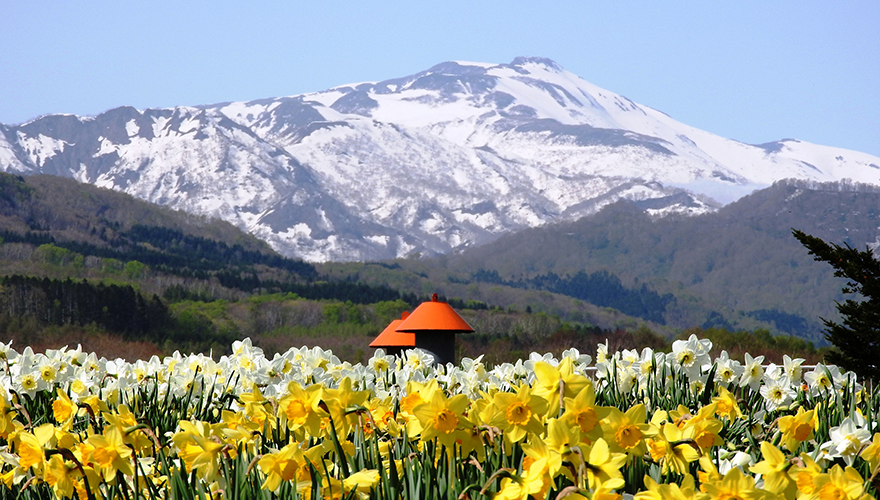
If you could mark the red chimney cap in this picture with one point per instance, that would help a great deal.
(435, 316)
(390, 337)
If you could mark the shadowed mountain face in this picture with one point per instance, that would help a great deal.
(447, 159)
(738, 262)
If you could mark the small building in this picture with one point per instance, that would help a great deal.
(435, 325)
(392, 341)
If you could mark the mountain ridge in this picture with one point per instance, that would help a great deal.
(442, 160)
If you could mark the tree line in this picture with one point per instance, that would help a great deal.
(601, 288)
(115, 308)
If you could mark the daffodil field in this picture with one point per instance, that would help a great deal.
(652, 425)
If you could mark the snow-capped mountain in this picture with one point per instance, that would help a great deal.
(444, 159)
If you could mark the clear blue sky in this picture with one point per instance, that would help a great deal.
(754, 71)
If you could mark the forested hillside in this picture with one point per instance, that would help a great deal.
(737, 269)
(86, 265)
(83, 264)
(736, 265)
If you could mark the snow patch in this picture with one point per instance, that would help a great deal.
(132, 128)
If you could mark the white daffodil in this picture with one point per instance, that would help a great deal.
(627, 378)
(418, 359)
(825, 380)
(752, 372)
(793, 368)
(728, 370)
(777, 392)
(690, 355)
(602, 352)
(7, 353)
(580, 360)
(28, 382)
(847, 440)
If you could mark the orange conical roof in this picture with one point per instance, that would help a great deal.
(390, 337)
(435, 316)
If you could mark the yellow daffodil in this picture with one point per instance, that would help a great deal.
(344, 404)
(257, 407)
(734, 485)
(125, 420)
(703, 428)
(7, 416)
(805, 474)
(871, 453)
(798, 428)
(839, 484)
(284, 465)
(416, 394)
(30, 451)
(361, 482)
(554, 383)
(199, 450)
(63, 409)
(626, 432)
(58, 475)
(556, 447)
(581, 412)
(672, 491)
(535, 482)
(110, 454)
(237, 430)
(299, 408)
(603, 466)
(516, 414)
(671, 451)
(726, 405)
(442, 417)
(775, 470)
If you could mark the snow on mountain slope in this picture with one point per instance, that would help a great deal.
(444, 159)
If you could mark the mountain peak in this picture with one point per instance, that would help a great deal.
(543, 61)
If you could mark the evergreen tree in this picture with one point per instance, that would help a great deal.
(857, 337)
